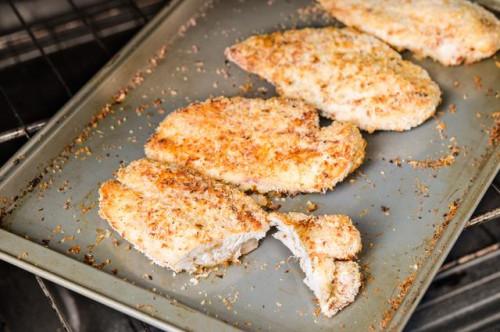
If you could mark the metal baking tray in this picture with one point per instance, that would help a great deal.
(409, 218)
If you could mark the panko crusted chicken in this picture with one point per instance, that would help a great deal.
(256, 144)
(326, 246)
(450, 31)
(347, 75)
(179, 218)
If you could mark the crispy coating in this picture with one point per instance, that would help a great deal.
(449, 31)
(347, 75)
(264, 145)
(326, 235)
(326, 246)
(179, 218)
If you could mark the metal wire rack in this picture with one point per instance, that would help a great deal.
(93, 23)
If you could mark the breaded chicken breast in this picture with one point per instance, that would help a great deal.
(179, 218)
(263, 145)
(347, 75)
(326, 246)
(449, 31)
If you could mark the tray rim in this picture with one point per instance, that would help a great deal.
(13, 246)
(468, 203)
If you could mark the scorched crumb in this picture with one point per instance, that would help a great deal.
(396, 162)
(444, 161)
(67, 238)
(101, 234)
(441, 127)
(494, 137)
(311, 206)
(58, 229)
(448, 217)
(245, 88)
(403, 289)
(75, 250)
(478, 82)
(452, 108)
(422, 189)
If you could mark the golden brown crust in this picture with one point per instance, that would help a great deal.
(168, 212)
(347, 75)
(266, 145)
(450, 31)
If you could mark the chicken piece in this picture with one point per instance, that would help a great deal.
(326, 246)
(347, 75)
(263, 145)
(179, 218)
(449, 31)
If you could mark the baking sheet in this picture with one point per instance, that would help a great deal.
(409, 218)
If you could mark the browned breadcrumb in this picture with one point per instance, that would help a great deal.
(185, 27)
(429, 163)
(396, 161)
(246, 87)
(65, 186)
(478, 82)
(230, 300)
(140, 109)
(67, 204)
(266, 202)
(85, 208)
(363, 213)
(422, 189)
(396, 301)
(146, 307)
(441, 126)
(115, 242)
(101, 234)
(58, 229)
(443, 161)
(5, 203)
(311, 206)
(75, 250)
(494, 137)
(262, 200)
(452, 108)
(83, 152)
(386, 210)
(67, 238)
(448, 217)
(89, 259)
(120, 96)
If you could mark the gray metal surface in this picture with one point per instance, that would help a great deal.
(403, 245)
